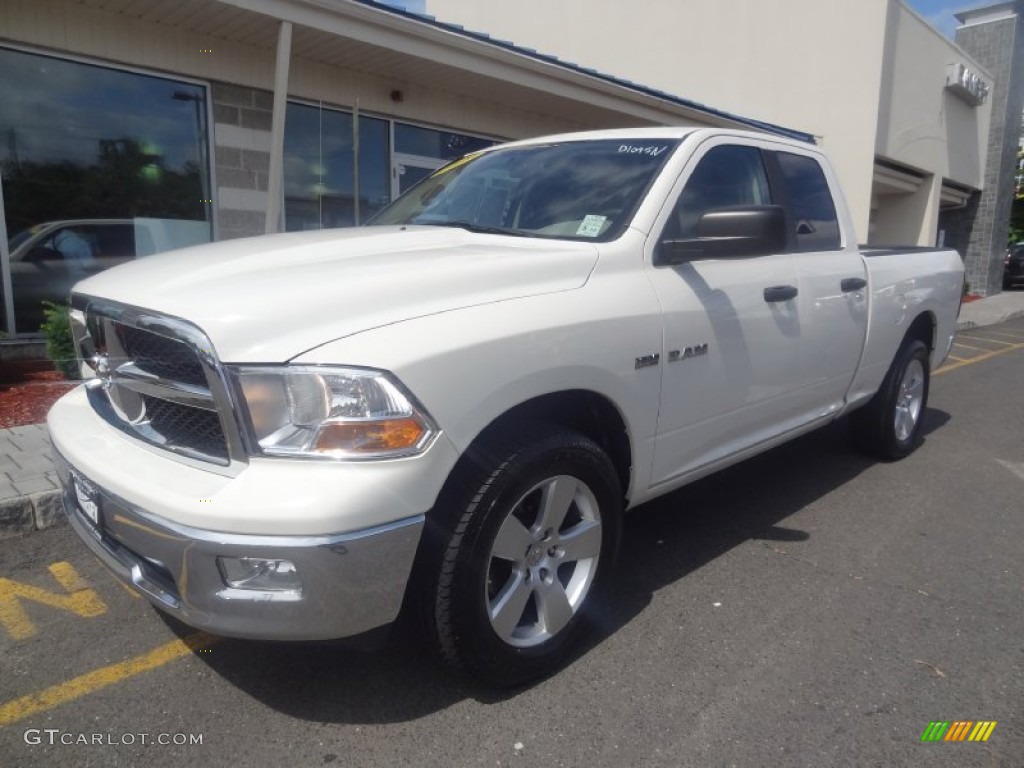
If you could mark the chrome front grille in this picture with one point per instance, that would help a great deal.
(156, 379)
(160, 356)
(184, 425)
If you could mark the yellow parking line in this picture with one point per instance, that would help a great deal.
(978, 359)
(90, 682)
(961, 359)
(991, 341)
(1018, 336)
(968, 346)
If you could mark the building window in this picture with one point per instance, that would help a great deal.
(321, 180)
(420, 151)
(429, 142)
(98, 166)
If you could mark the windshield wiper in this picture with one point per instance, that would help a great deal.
(479, 228)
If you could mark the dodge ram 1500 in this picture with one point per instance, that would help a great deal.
(289, 437)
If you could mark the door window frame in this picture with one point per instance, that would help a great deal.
(776, 184)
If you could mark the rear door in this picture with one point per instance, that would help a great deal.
(833, 298)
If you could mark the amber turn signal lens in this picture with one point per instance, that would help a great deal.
(370, 436)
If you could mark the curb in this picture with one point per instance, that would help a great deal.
(966, 325)
(34, 512)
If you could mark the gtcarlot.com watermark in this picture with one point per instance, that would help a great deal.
(56, 737)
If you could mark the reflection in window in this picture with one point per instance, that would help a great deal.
(319, 173)
(726, 176)
(587, 189)
(99, 166)
(817, 228)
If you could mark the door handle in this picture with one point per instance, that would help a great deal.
(780, 293)
(851, 284)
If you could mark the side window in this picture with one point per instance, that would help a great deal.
(726, 176)
(114, 241)
(817, 228)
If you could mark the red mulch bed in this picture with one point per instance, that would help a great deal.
(969, 297)
(26, 400)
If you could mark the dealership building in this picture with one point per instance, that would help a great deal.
(129, 127)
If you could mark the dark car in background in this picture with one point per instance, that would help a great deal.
(48, 258)
(1013, 267)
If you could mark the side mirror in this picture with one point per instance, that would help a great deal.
(738, 232)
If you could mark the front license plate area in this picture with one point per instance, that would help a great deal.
(88, 499)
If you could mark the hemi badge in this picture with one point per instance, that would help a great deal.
(647, 361)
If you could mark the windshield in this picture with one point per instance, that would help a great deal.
(577, 190)
(21, 237)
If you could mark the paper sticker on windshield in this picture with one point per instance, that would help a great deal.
(591, 226)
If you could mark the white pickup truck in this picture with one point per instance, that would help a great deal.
(290, 437)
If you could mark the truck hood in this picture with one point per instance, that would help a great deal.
(268, 299)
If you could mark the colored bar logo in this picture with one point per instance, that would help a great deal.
(958, 730)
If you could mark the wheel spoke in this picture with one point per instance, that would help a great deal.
(556, 499)
(904, 421)
(512, 541)
(901, 430)
(582, 541)
(553, 608)
(507, 608)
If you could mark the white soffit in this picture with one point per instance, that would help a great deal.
(954, 196)
(363, 38)
(890, 181)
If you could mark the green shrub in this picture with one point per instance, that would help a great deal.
(60, 345)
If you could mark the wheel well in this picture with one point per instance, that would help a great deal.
(586, 412)
(923, 328)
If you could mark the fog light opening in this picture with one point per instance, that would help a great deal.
(259, 574)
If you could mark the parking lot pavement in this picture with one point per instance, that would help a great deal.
(973, 345)
(808, 607)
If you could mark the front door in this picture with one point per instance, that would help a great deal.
(407, 170)
(731, 325)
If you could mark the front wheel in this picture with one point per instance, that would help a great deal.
(889, 426)
(531, 532)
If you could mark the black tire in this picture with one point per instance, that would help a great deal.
(889, 426)
(500, 488)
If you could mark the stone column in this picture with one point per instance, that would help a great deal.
(241, 134)
(994, 36)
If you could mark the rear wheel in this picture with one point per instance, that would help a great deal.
(889, 426)
(531, 531)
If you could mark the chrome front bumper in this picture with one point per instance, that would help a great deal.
(351, 583)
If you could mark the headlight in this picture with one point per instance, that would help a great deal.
(343, 413)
